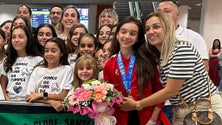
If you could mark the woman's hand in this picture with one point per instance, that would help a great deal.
(128, 104)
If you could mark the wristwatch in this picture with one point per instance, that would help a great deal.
(45, 95)
(138, 106)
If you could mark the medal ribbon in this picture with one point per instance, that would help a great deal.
(126, 78)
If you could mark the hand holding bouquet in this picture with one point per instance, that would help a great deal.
(95, 98)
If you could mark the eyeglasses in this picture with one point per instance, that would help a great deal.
(53, 13)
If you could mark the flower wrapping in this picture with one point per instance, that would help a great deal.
(96, 99)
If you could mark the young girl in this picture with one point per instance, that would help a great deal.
(2, 55)
(51, 81)
(22, 57)
(133, 71)
(99, 56)
(103, 34)
(6, 27)
(106, 49)
(72, 41)
(21, 20)
(87, 45)
(85, 69)
(43, 33)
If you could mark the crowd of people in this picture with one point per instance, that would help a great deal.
(153, 64)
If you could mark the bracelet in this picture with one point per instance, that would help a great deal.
(151, 122)
(138, 106)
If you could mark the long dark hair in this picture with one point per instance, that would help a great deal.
(25, 19)
(39, 46)
(70, 47)
(144, 57)
(98, 32)
(12, 55)
(62, 46)
(219, 46)
(94, 41)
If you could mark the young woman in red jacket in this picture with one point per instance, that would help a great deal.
(133, 71)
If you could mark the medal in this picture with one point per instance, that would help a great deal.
(128, 93)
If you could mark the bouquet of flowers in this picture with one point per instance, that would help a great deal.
(95, 98)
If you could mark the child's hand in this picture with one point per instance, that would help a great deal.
(33, 96)
(57, 105)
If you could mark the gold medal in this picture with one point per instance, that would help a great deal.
(128, 93)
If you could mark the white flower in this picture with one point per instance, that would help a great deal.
(86, 86)
(95, 83)
(110, 87)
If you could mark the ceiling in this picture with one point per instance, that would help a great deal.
(194, 12)
(195, 8)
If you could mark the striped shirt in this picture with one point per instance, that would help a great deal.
(185, 63)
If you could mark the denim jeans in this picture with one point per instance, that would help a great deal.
(168, 110)
(220, 73)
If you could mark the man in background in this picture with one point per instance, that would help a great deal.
(55, 14)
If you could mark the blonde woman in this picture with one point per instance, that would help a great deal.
(108, 16)
(182, 71)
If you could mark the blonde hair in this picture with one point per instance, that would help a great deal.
(85, 60)
(113, 14)
(169, 35)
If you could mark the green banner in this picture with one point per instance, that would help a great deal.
(44, 119)
(24, 113)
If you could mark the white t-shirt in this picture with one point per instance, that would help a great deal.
(101, 75)
(195, 38)
(72, 59)
(18, 77)
(1, 93)
(52, 81)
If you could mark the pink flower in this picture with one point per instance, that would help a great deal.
(94, 98)
(73, 100)
(85, 95)
(117, 100)
(78, 91)
(102, 87)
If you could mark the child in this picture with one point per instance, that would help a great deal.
(22, 57)
(6, 27)
(103, 34)
(51, 81)
(43, 33)
(133, 71)
(21, 20)
(87, 45)
(85, 69)
(72, 41)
